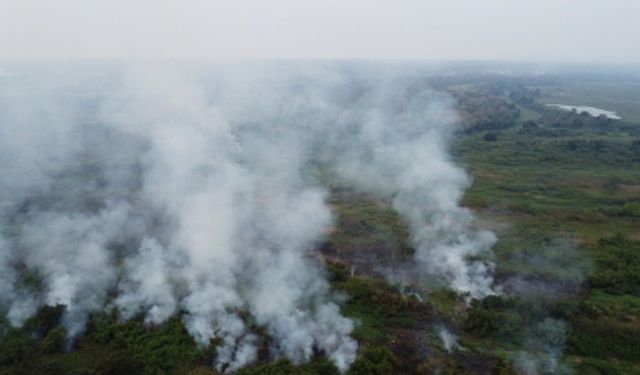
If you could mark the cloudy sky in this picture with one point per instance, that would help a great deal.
(542, 30)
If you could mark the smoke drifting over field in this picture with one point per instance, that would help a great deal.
(160, 190)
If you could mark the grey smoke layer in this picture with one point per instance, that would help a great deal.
(190, 190)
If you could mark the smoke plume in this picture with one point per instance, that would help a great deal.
(189, 189)
(449, 340)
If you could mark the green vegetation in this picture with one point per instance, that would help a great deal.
(367, 225)
(108, 347)
(561, 189)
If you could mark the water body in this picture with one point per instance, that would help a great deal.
(593, 111)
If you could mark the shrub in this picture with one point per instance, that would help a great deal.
(54, 341)
(490, 137)
(374, 361)
(617, 266)
(16, 346)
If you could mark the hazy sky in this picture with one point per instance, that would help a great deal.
(548, 30)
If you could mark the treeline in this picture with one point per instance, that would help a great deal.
(484, 109)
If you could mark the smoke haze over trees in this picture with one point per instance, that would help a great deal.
(161, 189)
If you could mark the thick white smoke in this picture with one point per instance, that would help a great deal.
(244, 222)
(147, 284)
(390, 136)
(399, 150)
(186, 190)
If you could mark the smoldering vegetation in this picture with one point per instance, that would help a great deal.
(157, 189)
(539, 286)
(449, 340)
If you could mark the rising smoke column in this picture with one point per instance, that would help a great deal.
(245, 222)
(402, 153)
(403, 135)
(38, 125)
(390, 136)
(190, 192)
